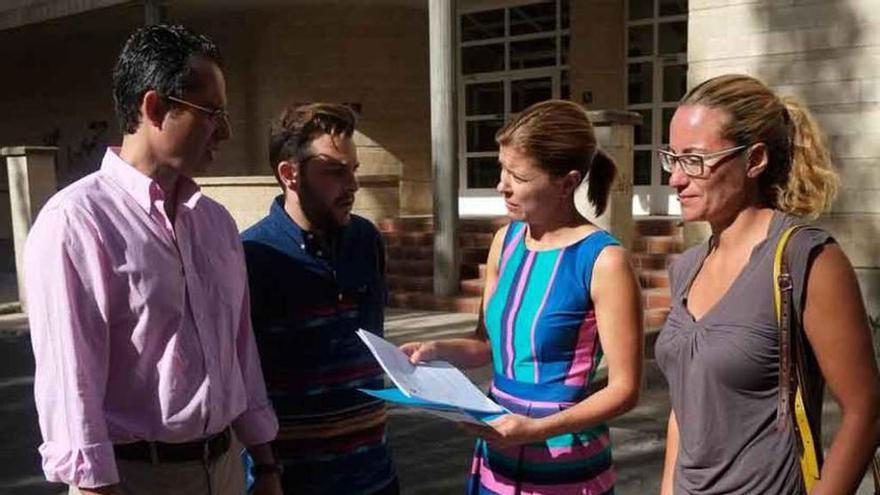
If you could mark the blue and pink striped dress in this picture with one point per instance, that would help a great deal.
(545, 351)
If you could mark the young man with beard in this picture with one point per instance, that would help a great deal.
(146, 365)
(316, 275)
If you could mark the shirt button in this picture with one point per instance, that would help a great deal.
(340, 296)
(320, 253)
(302, 246)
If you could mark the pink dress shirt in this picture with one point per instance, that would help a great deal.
(140, 331)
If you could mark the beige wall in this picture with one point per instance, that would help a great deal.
(248, 198)
(56, 83)
(826, 53)
(54, 90)
(373, 55)
(597, 57)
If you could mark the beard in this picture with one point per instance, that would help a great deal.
(320, 211)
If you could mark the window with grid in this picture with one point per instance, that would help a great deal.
(509, 59)
(656, 77)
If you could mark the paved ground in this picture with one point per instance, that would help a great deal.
(432, 454)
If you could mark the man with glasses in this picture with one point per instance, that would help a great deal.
(147, 372)
(316, 275)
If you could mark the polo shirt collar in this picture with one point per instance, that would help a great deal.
(308, 242)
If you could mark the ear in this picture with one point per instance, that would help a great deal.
(758, 160)
(570, 182)
(153, 109)
(288, 172)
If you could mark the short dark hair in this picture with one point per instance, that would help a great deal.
(156, 57)
(292, 133)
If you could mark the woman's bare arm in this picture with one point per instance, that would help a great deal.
(836, 325)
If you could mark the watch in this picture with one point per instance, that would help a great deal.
(266, 468)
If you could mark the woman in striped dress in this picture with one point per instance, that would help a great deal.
(560, 296)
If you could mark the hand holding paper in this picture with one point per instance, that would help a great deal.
(436, 385)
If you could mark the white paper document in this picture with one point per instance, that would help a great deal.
(437, 381)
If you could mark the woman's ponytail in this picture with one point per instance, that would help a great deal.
(812, 182)
(599, 181)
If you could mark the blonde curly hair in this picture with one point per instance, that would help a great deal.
(800, 178)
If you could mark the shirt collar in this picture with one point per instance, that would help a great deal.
(286, 224)
(142, 188)
(307, 241)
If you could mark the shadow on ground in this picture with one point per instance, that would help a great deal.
(20, 471)
(432, 455)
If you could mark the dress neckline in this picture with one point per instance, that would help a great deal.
(706, 249)
(550, 250)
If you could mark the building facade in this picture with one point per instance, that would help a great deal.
(635, 55)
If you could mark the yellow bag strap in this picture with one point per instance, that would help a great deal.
(875, 467)
(788, 382)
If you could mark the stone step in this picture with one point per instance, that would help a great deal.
(425, 283)
(658, 244)
(425, 267)
(475, 239)
(410, 283)
(652, 261)
(409, 239)
(469, 270)
(652, 279)
(416, 223)
(463, 304)
(426, 239)
(658, 226)
(423, 242)
(425, 223)
(474, 255)
(656, 298)
(472, 287)
(488, 225)
(410, 252)
(430, 302)
(655, 318)
(410, 267)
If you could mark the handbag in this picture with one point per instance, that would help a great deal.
(800, 383)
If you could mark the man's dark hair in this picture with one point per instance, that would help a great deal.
(156, 57)
(292, 133)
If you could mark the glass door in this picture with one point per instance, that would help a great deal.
(510, 57)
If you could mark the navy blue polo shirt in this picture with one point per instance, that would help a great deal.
(307, 301)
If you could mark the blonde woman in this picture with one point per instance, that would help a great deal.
(560, 296)
(751, 164)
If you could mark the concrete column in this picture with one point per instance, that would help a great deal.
(444, 148)
(614, 130)
(154, 12)
(32, 181)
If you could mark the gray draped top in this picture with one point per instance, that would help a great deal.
(723, 374)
